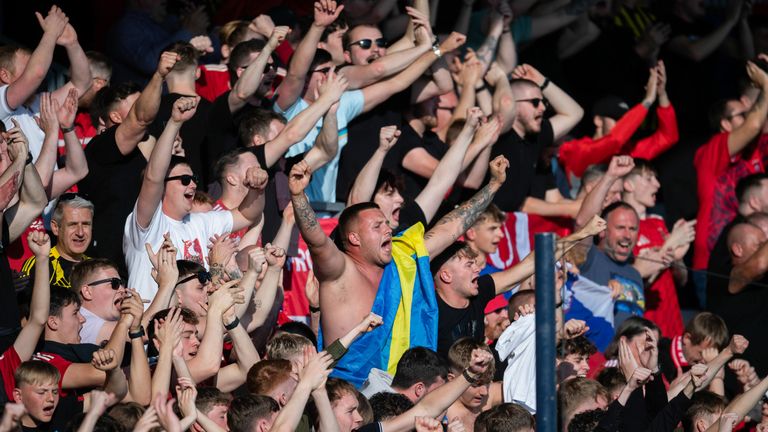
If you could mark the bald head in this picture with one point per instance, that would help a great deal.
(523, 89)
(743, 241)
(759, 220)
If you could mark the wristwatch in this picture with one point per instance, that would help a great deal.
(139, 334)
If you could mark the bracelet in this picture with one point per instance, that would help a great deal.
(138, 334)
(231, 326)
(68, 129)
(559, 305)
(544, 84)
(436, 50)
(470, 378)
(482, 88)
(314, 309)
(29, 159)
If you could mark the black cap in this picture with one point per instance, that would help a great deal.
(610, 106)
(444, 256)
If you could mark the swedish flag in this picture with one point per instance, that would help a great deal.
(407, 303)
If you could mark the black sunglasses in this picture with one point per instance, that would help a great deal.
(535, 101)
(366, 43)
(115, 282)
(202, 276)
(185, 179)
(69, 196)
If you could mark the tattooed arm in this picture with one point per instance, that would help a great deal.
(487, 50)
(328, 259)
(455, 223)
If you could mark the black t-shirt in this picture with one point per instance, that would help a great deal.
(71, 401)
(720, 263)
(523, 155)
(42, 427)
(193, 133)
(469, 321)
(112, 184)
(370, 427)
(410, 214)
(10, 320)
(432, 144)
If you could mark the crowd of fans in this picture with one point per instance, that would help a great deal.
(345, 196)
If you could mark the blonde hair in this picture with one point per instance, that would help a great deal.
(36, 372)
(286, 346)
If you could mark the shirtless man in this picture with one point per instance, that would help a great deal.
(349, 279)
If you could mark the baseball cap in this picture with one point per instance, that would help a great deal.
(444, 256)
(496, 303)
(610, 106)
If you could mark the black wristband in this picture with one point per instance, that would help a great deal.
(231, 326)
(470, 378)
(544, 84)
(559, 305)
(29, 158)
(68, 129)
(314, 309)
(482, 87)
(138, 334)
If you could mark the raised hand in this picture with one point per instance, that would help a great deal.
(166, 63)
(639, 378)
(480, 361)
(728, 422)
(104, 360)
(453, 42)
(627, 361)
(39, 244)
(528, 72)
(334, 85)
(132, 309)
(574, 328)
(168, 332)
(421, 27)
(67, 112)
(262, 25)
(275, 256)
(474, 117)
(316, 370)
(187, 394)
(257, 260)
(757, 74)
(620, 166)
(471, 74)
(49, 122)
(738, 344)
(312, 290)
(370, 322)
(165, 415)
(326, 12)
(8, 190)
(256, 178)
(488, 133)
(682, 235)
(661, 74)
(698, 375)
(649, 350)
(18, 145)
(148, 421)
(12, 416)
(708, 354)
(523, 310)
(494, 74)
(278, 36)
(184, 108)
(100, 401)
(202, 44)
(388, 136)
(498, 168)
(54, 23)
(426, 424)
(651, 87)
(298, 179)
(221, 248)
(595, 226)
(225, 297)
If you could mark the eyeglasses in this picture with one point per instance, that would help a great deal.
(69, 196)
(535, 101)
(185, 179)
(366, 43)
(116, 282)
(202, 276)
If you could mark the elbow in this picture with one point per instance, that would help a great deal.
(578, 114)
(377, 71)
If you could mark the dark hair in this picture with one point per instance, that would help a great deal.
(518, 299)
(389, 180)
(187, 268)
(7, 54)
(257, 122)
(419, 364)
(61, 298)
(244, 411)
(299, 328)
(187, 55)
(586, 421)
(615, 206)
(346, 218)
(105, 423)
(321, 56)
(208, 397)
(178, 160)
(387, 405)
(228, 159)
(240, 56)
(187, 316)
(82, 271)
(339, 23)
(706, 325)
(717, 112)
(702, 403)
(611, 378)
(630, 328)
(507, 417)
(108, 97)
(579, 345)
(234, 32)
(127, 414)
(749, 183)
(642, 166)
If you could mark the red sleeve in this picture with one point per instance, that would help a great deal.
(577, 155)
(58, 362)
(9, 361)
(710, 161)
(665, 136)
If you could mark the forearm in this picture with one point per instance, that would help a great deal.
(248, 281)
(328, 421)
(487, 50)
(476, 175)
(504, 103)
(47, 159)
(38, 306)
(252, 207)
(462, 20)
(364, 186)
(80, 71)
(145, 108)
(157, 167)
(76, 161)
(701, 48)
(161, 380)
(326, 145)
(249, 81)
(507, 54)
(34, 73)
(117, 340)
(283, 237)
(89, 421)
(32, 201)
(162, 300)
(265, 297)
(310, 229)
(140, 382)
(181, 368)
(456, 223)
(444, 176)
(207, 361)
(745, 40)
(742, 403)
(545, 208)
(116, 383)
(247, 355)
(288, 418)
(296, 129)
(568, 111)
(392, 63)
(593, 202)
(466, 101)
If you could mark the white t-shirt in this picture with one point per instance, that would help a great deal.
(93, 324)
(190, 236)
(322, 187)
(25, 115)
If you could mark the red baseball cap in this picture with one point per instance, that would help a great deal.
(496, 303)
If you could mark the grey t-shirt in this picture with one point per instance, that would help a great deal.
(603, 270)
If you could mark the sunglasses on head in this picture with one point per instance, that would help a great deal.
(535, 101)
(185, 179)
(69, 196)
(202, 276)
(115, 282)
(366, 43)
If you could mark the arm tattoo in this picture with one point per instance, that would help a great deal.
(305, 216)
(487, 51)
(466, 214)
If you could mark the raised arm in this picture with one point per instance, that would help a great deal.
(364, 187)
(503, 99)
(292, 86)
(232, 376)
(140, 381)
(741, 136)
(152, 186)
(250, 80)
(49, 123)
(34, 73)
(329, 260)
(593, 202)
(697, 49)
(265, 295)
(312, 376)
(167, 337)
(329, 93)
(251, 209)
(455, 223)
(568, 112)
(381, 91)
(32, 198)
(327, 143)
(26, 341)
(77, 166)
(79, 68)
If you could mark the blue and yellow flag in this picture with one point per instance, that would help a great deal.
(407, 303)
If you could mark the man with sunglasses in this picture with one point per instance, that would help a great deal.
(71, 224)
(101, 291)
(165, 202)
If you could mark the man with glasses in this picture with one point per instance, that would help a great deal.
(165, 202)
(101, 291)
(71, 223)
(530, 187)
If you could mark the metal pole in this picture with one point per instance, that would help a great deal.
(546, 400)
